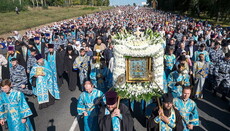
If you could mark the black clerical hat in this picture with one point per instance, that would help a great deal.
(167, 97)
(111, 97)
(32, 50)
(31, 41)
(13, 59)
(38, 56)
(50, 45)
(69, 47)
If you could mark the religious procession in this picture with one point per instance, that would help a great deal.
(117, 64)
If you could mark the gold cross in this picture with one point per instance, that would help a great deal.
(138, 33)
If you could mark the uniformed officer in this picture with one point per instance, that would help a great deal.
(222, 74)
(18, 77)
(215, 55)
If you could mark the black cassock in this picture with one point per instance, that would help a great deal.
(153, 126)
(42, 52)
(5, 73)
(60, 55)
(105, 121)
(72, 74)
(21, 60)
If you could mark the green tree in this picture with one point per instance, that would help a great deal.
(215, 9)
(8, 5)
(99, 2)
(106, 3)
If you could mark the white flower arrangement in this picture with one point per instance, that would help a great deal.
(148, 45)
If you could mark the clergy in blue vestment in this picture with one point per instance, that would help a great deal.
(101, 77)
(177, 79)
(14, 108)
(51, 59)
(88, 106)
(201, 51)
(169, 61)
(187, 109)
(114, 117)
(43, 82)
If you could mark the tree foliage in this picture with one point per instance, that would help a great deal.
(211, 8)
(10, 5)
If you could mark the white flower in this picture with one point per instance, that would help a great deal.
(139, 88)
(143, 47)
(97, 65)
(98, 50)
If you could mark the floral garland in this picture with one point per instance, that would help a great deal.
(148, 44)
(138, 91)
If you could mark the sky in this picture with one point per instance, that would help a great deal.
(126, 2)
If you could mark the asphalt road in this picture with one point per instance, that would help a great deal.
(61, 116)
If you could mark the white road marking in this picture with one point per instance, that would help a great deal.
(210, 118)
(214, 106)
(75, 123)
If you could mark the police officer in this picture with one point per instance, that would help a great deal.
(222, 74)
(215, 55)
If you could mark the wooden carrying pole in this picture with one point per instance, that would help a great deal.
(158, 102)
(159, 106)
(118, 102)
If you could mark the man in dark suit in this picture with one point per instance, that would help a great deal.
(180, 49)
(191, 48)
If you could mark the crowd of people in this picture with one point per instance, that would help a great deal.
(36, 63)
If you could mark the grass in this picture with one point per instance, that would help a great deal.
(204, 17)
(36, 16)
(89, 8)
(213, 21)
